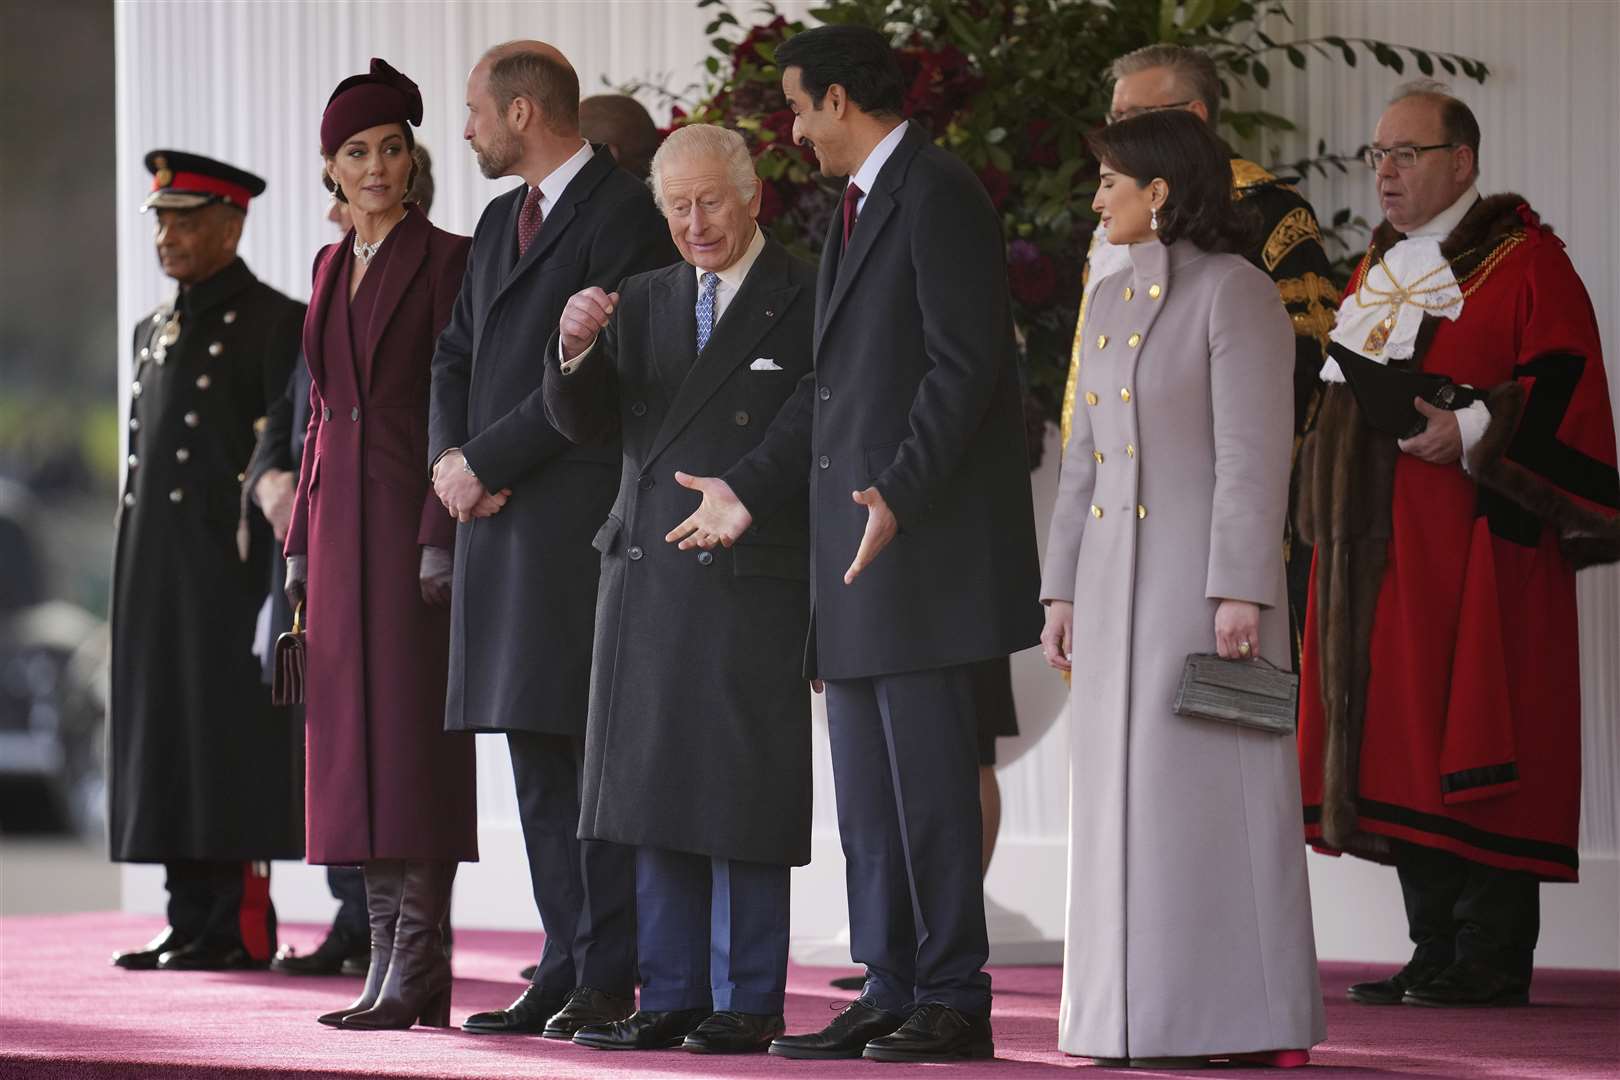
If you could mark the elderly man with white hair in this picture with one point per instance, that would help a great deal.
(698, 740)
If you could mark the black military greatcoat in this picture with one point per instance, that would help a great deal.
(200, 765)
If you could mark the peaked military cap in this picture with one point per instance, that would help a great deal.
(182, 181)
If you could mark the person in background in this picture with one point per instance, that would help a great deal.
(523, 599)
(619, 122)
(271, 484)
(1440, 704)
(1287, 245)
(1189, 918)
(203, 772)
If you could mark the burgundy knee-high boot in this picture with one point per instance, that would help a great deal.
(417, 986)
(385, 879)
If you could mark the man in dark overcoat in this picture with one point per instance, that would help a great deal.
(523, 598)
(698, 747)
(923, 540)
(204, 775)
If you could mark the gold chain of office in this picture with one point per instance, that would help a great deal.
(1405, 294)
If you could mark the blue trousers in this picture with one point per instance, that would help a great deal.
(906, 774)
(712, 933)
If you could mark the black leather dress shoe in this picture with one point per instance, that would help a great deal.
(1390, 991)
(146, 957)
(587, 1008)
(848, 982)
(845, 1037)
(643, 1031)
(525, 1016)
(936, 1032)
(328, 958)
(1469, 984)
(207, 956)
(729, 1032)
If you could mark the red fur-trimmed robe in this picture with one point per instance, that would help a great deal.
(1440, 697)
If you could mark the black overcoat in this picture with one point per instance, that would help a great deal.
(200, 765)
(523, 598)
(699, 735)
(916, 392)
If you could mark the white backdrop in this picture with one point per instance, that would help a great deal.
(246, 81)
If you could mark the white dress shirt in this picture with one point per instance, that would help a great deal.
(865, 176)
(731, 279)
(558, 179)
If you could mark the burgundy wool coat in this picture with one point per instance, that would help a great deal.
(384, 780)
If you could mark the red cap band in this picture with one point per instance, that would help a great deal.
(189, 182)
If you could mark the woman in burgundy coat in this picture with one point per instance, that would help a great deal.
(369, 546)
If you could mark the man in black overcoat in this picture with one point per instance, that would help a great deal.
(204, 774)
(698, 747)
(923, 540)
(523, 596)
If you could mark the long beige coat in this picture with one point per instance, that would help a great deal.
(1189, 918)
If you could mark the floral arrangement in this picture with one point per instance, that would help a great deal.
(1012, 88)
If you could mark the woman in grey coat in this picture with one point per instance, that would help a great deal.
(1189, 919)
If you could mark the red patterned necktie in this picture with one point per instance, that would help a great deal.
(852, 195)
(529, 221)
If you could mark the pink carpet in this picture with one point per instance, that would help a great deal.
(66, 1015)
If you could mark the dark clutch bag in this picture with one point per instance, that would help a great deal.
(287, 682)
(1249, 693)
(1385, 393)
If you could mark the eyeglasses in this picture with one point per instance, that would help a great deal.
(1405, 156)
(1114, 118)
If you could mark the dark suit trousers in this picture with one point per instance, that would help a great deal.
(348, 886)
(905, 763)
(585, 889)
(223, 903)
(1459, 909)
(713, 932)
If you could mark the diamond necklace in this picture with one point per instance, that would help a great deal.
(366, 252)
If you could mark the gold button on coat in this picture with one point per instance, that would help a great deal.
(1134, 340)
(1129, 292)
(1096, 511)
(1098, 455)
(1125, 394)
(1141, 511)
(1091, 397)
(1102, 341)
(1130, 450)
(1155, 292)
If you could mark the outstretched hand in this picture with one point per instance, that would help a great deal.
(584, 316)
(719, 519)
(881, 525)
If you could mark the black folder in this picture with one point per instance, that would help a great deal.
(1385, 393)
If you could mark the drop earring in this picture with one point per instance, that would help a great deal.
(1153, 218)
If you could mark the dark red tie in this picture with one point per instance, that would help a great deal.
(529, 221)
(852, 195)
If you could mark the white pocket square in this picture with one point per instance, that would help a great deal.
(764, 363)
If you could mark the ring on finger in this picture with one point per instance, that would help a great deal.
(1244, 648)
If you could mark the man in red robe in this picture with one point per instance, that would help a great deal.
(1440, 690)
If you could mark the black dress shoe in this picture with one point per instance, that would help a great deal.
(328, 958)
(146, 957)
(1390, 991)
(587, 1008)
(936, 1032)
(845, 1037)
(848, 982)
(643, 1031)
(1469, 984)
(210, 956)
(729, 1032)
(525, 1016)
(356, 966)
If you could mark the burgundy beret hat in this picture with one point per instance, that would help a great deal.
(382, 96)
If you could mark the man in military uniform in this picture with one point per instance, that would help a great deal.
(1288, 246)
(204, 774)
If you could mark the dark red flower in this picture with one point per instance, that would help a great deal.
(770, 203)
(996, 184)
(747, 50)
(1033, 281)
(1040, 147)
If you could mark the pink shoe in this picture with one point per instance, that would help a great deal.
(1277, 1059)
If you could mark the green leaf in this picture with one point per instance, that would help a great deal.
(1196, 14)
(1295, 56)
(1424, 63)
(1451, 69)
(1341, 217)
(1000, 158)
(1262, 74)
(713, 27)
(1167, 20)
(713, 64)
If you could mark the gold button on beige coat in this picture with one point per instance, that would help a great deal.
(1189, 920)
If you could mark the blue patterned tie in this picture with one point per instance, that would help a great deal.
(705, 308)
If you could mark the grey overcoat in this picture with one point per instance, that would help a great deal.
(1189, 922)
